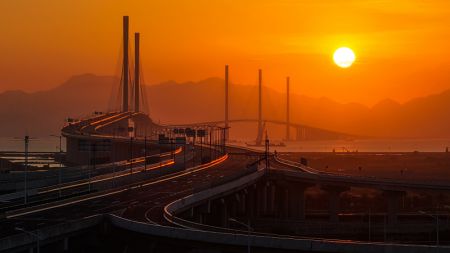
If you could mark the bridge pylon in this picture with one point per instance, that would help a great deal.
(227, 125)
(260, 120)
(288, 120)
(125, 68)
(131, 95)
(137, 85)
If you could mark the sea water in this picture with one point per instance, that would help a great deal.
(38, 144)
(45, 144)
(363, 145)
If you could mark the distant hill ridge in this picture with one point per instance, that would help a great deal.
(42, 113)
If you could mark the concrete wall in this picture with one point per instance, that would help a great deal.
(268, 242)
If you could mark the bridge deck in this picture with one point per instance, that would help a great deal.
(148, 198)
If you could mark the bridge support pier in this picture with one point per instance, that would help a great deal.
(436, 200)
(393, 205)
(334, 193)
(251, 202)
(300, 133)
(206, 208)
(243, 203)
(279, 200)
(284, 212)
(200, 212)
(233, 204)
(297, 205)
(296, 200)
(66, 244)
(262, 199)
(198, 217)
(223, 213)
(272, 198)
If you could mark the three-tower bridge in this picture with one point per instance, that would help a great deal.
(156, 188)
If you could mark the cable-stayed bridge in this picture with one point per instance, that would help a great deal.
(183, 188)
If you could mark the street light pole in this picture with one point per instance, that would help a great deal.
(193, 149)
(225, 134)
(92, 163)
(131, 155)
(201, 149)
(60, 144)
(384, 228)
(210, 147)
(27, 141)
(370, 225)
(145, 152)
(216, 143)
(437, 230)
(223, 141)
(60, 164)
(267, 145)
(248, 230)
(172, 151)
(184, 153)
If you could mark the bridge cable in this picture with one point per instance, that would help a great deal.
(114, 103)
(143, 89)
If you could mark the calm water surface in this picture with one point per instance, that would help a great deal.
(51, 144)
(368, 145)
(44, 144)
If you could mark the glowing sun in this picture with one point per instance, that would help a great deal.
(344, 57)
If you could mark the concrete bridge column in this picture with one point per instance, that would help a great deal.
(243, 203)
(296, 201)
(251, 201)
(334, 193)
(66, 244)
(198, 217)
(272, 198)
(203, 212)
(215, 218)
(281, 200)
(284, 205)
(199, 212)
(191, 212)
(261, 197)
(294, 197)
(233, 205)
(393, 200)
(223, 213)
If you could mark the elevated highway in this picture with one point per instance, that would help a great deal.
(145, 212)
(303, 132)
(188, 205)
(304, 173)
(145, 203)
(144, 206)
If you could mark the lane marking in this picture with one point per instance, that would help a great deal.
(192, 170)
(124, 173)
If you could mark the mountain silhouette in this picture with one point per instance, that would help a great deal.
(44, 112)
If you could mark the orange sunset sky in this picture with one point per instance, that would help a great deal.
(402, 47)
